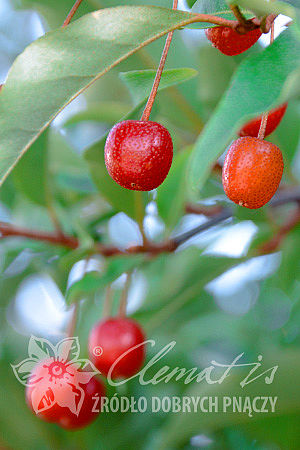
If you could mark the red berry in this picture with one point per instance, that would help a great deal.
(138, 154)
(114, 337)
(229, 42)
(274, 118)
(44, 395)
(252, 172)
(90, 409)
(59, 386)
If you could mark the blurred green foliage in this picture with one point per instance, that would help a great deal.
(62, 178)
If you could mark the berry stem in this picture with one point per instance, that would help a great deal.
(124, 296)
(73, 321)
(238, 14)
(263, 126)
(264, 120)
(72, 12)
(151, 99)
(176, 95)
(51, 209)
(107, 306)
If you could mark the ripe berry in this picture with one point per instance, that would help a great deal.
(252, 172)
(115, 336)
(90, 409)
(138, 154)
(274, 118)
(229, 42)
(59, 386)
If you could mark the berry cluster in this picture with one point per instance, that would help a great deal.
(121, 341)
(138, 154)
(253, 167)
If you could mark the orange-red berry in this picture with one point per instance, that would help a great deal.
(274, 118)
(229, 42)
(138, 154)
(252, 172)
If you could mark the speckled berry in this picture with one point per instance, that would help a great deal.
(274, 118)
(138, 154)
(229, 42)
(252, 172)
(117, 337)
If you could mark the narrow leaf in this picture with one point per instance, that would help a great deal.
(139, 82)
(56, 68)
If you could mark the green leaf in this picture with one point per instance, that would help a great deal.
(180, 427)
(263, 7)
(287, 135)
(107, 112)
(261, 82)
(30, 174)
(56, 68)
(191, 2)
(171, 195)
(216, 7)
(212, 7)
(139, 82)
(214, 76)
(92, 281)
(55, 11)
(180, 278)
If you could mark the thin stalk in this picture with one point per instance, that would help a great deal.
(107, 306)
(264, 120)
(239, 16)
(151, 99)
(73, 321)
(72, 12)
(124, 296)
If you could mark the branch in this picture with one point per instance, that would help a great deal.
(208, 211)
(71, 242)
(273, 244)
(285, 196)
(61, 240)
(224, 215)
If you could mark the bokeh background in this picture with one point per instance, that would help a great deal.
(213, 296)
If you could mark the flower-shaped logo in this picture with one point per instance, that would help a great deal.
(54, 374)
